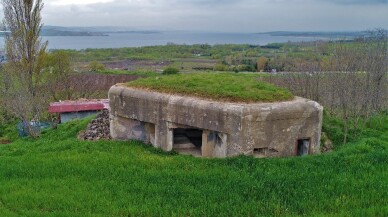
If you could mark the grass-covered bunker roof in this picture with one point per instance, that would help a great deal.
(216, 86)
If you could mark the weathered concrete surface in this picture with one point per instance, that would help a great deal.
(229, 129)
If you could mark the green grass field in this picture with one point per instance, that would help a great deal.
(218, 86)
(59, 175)
(126, 72)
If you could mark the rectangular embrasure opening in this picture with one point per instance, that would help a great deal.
(260, 151)
(188, 141)
(264, 152)
(303, 147)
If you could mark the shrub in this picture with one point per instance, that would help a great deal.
(220, 67)
(170, 71)
(95, 66)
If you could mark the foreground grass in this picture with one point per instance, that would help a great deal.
(58, 175)
(218, 86)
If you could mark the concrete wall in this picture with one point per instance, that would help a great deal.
(229, 129)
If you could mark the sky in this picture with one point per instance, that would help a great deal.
(220, 15)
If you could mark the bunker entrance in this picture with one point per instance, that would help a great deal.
(188, 141)
(303, 147)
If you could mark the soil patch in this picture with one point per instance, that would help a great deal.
(5, 141)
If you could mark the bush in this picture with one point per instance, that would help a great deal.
(220, 67)
(95, 66)
(170, 71)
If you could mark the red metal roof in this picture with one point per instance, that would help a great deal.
(79, 105)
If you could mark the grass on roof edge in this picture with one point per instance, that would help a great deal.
(226, 87)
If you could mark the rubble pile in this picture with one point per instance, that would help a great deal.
(98, 129)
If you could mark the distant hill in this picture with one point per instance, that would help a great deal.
(317, 34)
(63, 31)
(89, 31)
(53, 31)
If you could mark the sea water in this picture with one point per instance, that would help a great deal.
(118, 40)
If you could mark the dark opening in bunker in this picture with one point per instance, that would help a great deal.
(303, 147)
(259, 152)
(188, 141)
(264, 152)
(150, 133)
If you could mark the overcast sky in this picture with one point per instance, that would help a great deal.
(220, 15)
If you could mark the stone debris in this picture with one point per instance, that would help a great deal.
(98, 129)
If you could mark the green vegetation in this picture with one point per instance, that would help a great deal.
(59, 175)
(8, 131)
(218, 86)
(221, 67)
(164, 52)
(185, 57)
(95, 66)
(170, 71)
(193, 64)
(126, 72)
(288, 57)
(376, 127)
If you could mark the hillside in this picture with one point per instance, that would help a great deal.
(59, 175)
(64, 31)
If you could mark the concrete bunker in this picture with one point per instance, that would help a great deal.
(215, 129)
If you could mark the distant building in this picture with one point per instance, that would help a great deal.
(70, 110)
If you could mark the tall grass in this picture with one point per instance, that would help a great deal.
(59, 175)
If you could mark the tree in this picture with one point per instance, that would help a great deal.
(262, 64)
(362, 85)
(350, 79)
(58, 75)
(22, 77)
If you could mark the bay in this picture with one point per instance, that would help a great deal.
(119, 40)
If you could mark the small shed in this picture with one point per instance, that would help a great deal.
(78, 109)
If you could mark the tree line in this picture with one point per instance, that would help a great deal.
(350, 81)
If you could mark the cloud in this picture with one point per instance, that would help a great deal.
(340, 2)
(220, 15)
(365, 2)
(78, 2)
